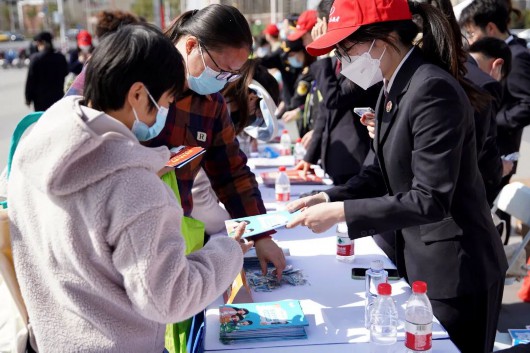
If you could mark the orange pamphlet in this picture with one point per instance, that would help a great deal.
(183, 154)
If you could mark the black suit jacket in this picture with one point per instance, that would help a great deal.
(514, 114)
(435, 200)
(339, 139)
(45, 81)
(489, 161)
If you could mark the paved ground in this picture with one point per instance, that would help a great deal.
(514, 314)
(12, 107)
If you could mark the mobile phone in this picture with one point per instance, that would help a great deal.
(359, 273)
(361, 111)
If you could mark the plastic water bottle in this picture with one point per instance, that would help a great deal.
(299, 151)
(418, 320)
(384, 318)
(345, 245)
(282, 188)
(285, 143)
(375, 275)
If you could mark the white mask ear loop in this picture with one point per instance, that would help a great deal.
(371, 46)
(135, 114)
(202, 55)
(384, 50)
(152, 99)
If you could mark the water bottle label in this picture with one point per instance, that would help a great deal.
(344, 246)
(418, 337)
(283, 196)
(285, 151)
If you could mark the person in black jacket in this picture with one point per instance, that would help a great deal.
(46, 73)
(338, 139)
(425, 184)
(490, 18)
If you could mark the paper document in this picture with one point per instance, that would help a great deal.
(260, 224)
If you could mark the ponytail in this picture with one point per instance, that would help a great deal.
(174, 31)
(237, 92)
(216, 26)
(442, 45)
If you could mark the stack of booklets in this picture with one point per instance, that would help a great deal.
(520, 336)
(295, 178)
(254, 322)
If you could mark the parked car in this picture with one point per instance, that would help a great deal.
(4, 37)
(15, 37)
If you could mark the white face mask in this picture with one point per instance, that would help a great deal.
(363, 70)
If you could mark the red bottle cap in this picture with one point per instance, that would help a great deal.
(384, 289)
(299, 140)
(419, 287)
(282, 168)
(285, 132)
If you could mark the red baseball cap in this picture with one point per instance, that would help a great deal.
(272, 30)
(84, 39)
(305, 23)
(346, 16)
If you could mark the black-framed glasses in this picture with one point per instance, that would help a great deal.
(223, 75)
(342, 53)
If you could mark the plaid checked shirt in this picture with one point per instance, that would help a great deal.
(196, 120)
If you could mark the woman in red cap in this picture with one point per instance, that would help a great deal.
(424, 184)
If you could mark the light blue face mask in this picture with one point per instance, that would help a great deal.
(294, 62)
(144, 132)
(207, 82)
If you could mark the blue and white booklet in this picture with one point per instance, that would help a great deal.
(519, 336)
(260, 224)
(270, 321)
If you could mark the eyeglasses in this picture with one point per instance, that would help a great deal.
(223, 75)
(342, 53)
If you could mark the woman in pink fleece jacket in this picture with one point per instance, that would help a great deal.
(96, 234)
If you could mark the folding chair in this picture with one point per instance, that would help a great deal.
(514, 199)
(7, 269)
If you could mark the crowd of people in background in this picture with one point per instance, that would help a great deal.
(450, 99)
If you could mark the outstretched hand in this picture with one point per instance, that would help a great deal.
(320, 217)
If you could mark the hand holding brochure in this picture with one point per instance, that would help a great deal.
(260, 224)
(183, 154)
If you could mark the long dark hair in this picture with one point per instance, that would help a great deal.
(479, 99)
(237, 92)
(216, 26)
(439, 44)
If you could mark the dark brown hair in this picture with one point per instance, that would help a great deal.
(110, 21)
(237, 93)
(216, 26)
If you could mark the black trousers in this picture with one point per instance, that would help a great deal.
(471, 320)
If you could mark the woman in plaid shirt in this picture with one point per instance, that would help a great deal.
(215, 43)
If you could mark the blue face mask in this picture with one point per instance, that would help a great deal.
(294, 62)
(144, 132)
(207, 82)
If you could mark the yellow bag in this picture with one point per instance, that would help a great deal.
(177, 334)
